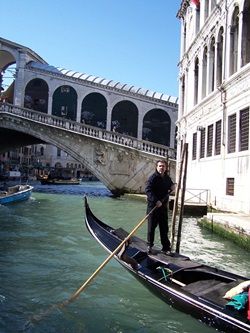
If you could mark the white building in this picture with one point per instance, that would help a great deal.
(214, 99)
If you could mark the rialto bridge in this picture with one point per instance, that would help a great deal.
(144, 118)
(85, 98)
(121, 162)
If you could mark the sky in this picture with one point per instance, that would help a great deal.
(136, 42)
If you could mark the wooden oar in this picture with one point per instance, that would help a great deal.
(112, 254)
(110, 257)
(61, 305)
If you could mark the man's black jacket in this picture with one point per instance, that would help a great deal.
(157, 188)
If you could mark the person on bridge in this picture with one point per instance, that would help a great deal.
(158, 187)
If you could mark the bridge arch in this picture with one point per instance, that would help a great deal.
(36, 95)
(125, 118)
(94, 110)
(156, 127)
(65, 102)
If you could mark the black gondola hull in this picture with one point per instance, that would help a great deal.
(175, 288)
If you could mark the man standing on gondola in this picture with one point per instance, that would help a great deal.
(158, 187)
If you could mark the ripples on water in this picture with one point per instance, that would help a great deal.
(47, 254)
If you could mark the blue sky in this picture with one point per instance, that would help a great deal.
(130, 41)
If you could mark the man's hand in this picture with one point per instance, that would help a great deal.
(158, 203)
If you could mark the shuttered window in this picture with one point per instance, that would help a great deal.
(202, 149)
(210, 131)
(231, 133)
(244, 130)
(230, 186)
(218, 138)
(194, 151)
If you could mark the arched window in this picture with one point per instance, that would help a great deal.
(65, 103)
(204, 74)
(234, 35)
(125, 118)
(196, 80)
(246, 34)
(211, 66)
(156, 127)
(36, 95)
(94, 110)
(220, 57)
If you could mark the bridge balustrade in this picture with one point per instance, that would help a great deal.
(105, 135)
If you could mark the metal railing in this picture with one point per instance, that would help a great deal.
(95, 132)
(197, 196)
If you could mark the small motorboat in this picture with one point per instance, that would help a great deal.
(16, 193)
(215, 297)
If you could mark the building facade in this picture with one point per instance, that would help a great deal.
(214, 99)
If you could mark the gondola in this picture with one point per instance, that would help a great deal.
(186, 285)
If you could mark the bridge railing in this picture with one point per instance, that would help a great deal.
(103, 134)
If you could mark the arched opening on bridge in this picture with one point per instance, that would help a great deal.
(65, 103)
(94, 110)
(7, 75)
(156, 127)
(125, 118)
(36, 95)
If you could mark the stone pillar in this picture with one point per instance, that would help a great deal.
(50, 100)
(109, 113)
(79, 109)
(19, 90)
(140, 126)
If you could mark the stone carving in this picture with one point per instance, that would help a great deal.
(100, 155)
(123, 164)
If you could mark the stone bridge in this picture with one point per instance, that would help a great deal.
(122, 163)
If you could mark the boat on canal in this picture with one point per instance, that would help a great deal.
(215, 297)
(60, 181)
(60, 176)
(16, 193)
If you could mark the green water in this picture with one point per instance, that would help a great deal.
(46, 254)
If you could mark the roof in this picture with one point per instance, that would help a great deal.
(104, 82)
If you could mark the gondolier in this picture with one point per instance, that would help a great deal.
(158, 186)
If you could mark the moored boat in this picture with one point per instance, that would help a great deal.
(59, 181)
(60, 176)
(16, 193)
(215, 297)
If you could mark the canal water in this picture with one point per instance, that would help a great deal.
(46, 254)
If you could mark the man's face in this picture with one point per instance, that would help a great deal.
(161, 168)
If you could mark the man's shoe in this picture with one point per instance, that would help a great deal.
(167, 252)
(149, 249)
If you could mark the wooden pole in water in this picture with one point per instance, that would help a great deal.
(182, 200)
(175, 208)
